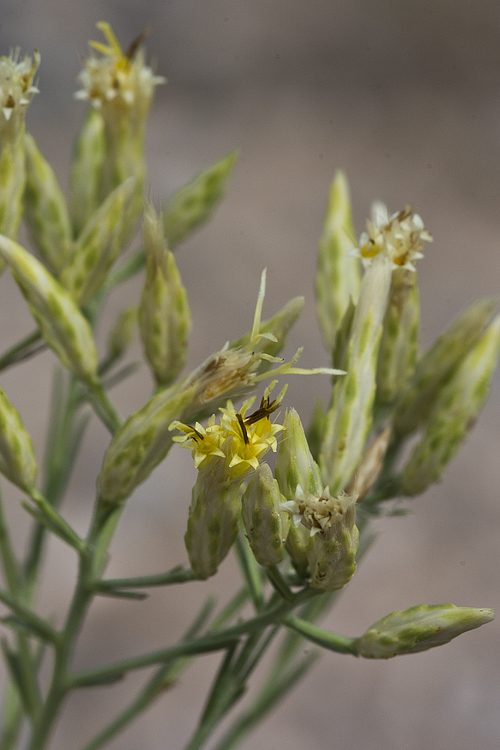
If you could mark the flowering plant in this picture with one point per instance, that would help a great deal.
(298, 530)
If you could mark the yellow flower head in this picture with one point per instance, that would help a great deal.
(118, 81)
(236, 445)
(16, 87)
(400, 237)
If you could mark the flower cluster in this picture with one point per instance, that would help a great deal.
(400, 237)
(321, 514)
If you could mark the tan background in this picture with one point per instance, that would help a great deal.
(405, 96)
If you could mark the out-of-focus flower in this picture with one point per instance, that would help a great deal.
(118, 80)
(16, 88)
(400, 237)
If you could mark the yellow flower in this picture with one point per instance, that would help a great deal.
(400, 237)
(236, 445)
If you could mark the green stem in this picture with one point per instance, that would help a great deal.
(214, 641)
(177, 575)
(25, 348)
(103, 407)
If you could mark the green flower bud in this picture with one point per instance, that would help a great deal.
(399, 346)
(349, 418)
(212, 522)
(455, 410)
(86, 170)
(194, 203)
(63, 326)
(438, 364)
(17, 459)
(123, 332)
(266, 524)
(418, 629)
(295, 465)
(164, 315)
(16, 92)
(98, 245)
(46, 213)
(140, 444)
(297, 543)
(338, 276)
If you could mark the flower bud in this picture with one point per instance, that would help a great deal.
(17, 459)
(399, 346)
(212, 522)
(98, 245)
(86, 170)
(63, 326)
(295, 465)
(455, 410)
(194, 203)
(164, 315)
(438, 364)
(338, 275)
(46, 213)
(418, 629)
(266, 524)
(350, 416)
(123, 332)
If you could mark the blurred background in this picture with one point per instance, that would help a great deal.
(405, 96)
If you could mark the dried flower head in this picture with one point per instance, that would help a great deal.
(324, 515)
(400, 237)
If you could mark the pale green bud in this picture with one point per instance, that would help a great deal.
(266, 524)
(399, 346)
(123, 332)
(141, 443)
(164, 315)
(350, 416)
(16, 92)
(17, 459)
(295, 465)
(212, 522)
(98, 245)
(334, 537)
(297, 543)
(338, 276)
(194, 203)
(62, 325)
(46, 213)
(86, 170)
(438, 364)
(454, 413)
(418, 629)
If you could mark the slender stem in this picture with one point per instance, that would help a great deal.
(104, 408)
(177, 575)
(25, 348)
